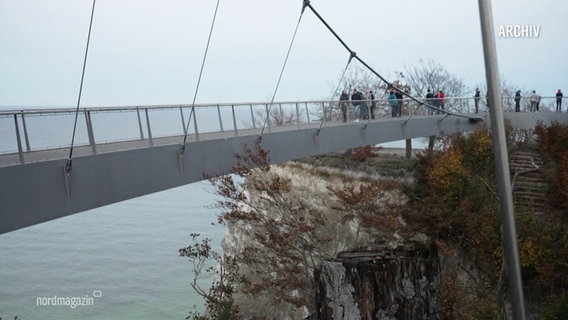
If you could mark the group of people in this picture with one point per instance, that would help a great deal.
(534, 100)
(436, 99)
(364, 104)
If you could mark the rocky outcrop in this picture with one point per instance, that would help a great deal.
(383, 283)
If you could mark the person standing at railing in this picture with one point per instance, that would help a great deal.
(476, 98)
(343, 100)
(400, 99)
(430, 101)
(373, 103)
(518, 101)
(437, 101)
(442, 98)
(356, 98)
(393, 101)
(559, 96)
(364, 113)
(534, 99)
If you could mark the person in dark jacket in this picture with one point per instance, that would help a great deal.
(559, 96)
(476, 98)
(373, 104)
(356, 98)
(400, 99)
(430, 101)
(518, 101)
(343, 100)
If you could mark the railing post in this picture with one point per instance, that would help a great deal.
(268, 118)
(90, 131)
(19, 140)
(28, 149)
(195, 123)
(149, 128)
(220, 119)
(182, 119)
(307, 112)
(298, 114)
(140, 123)
(235, 120)
(252, 117)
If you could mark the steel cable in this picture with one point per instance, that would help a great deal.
(280, 76)
(68, 166)
(199, 78)
(336, 90)
(389, 84)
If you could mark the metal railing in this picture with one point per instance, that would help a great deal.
(28, 130)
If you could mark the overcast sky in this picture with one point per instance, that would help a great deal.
(150, 51)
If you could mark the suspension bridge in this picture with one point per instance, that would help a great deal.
(145, 157)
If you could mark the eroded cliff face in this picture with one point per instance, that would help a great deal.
(310, 183)
(382, 282)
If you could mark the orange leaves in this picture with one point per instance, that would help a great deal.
(445, 168)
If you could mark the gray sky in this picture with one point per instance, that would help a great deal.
(150, 51)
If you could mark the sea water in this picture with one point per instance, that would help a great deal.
(116, 262)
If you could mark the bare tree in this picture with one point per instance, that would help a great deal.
(434, 76)
(508, 91)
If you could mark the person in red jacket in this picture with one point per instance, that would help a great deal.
(442, 98)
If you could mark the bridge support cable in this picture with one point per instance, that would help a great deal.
(335, 92)
(68, 166)
(181, 150)
(267, 119)
(390, 85)
(412, 113)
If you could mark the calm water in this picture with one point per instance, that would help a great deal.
(122, 258)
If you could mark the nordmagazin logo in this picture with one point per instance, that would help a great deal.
(519, 31)
(71, 302)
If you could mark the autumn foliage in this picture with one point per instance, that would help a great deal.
(455, 202)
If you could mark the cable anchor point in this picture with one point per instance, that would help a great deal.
(67, 175)
(352, 54)
(304, 5)
(181, 152)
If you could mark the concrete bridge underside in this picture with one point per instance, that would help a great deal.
(37, 190)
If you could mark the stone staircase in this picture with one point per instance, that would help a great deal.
(530, 186)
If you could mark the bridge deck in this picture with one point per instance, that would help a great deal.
(38, 190)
